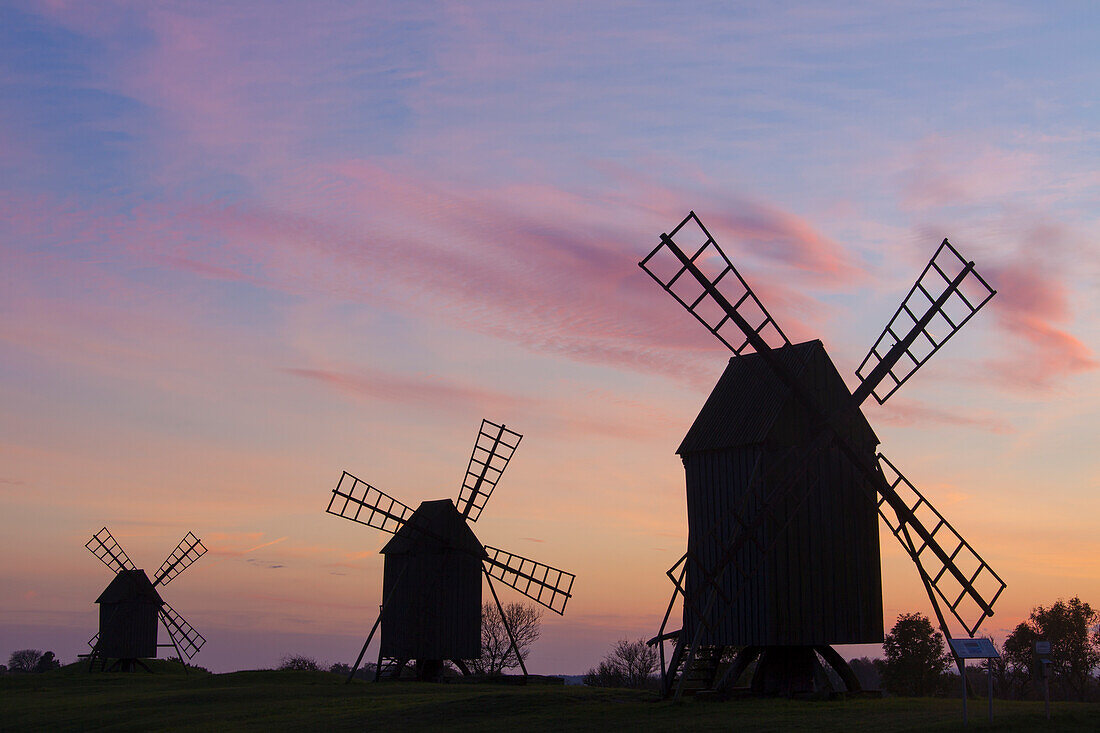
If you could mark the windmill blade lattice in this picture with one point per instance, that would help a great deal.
(709, 266)
(187, 551)
(493, 448)
(110, 553)
(946, 295)
(360, 502)
(183, 634)
(541, 583)
(984, 581)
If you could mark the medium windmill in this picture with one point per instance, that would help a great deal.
(784, 482)
(431, 587)
(130, 607)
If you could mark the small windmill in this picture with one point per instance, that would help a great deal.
(130, 607)
(784, 483)
(431, 588)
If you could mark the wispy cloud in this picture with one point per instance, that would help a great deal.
(909, 413)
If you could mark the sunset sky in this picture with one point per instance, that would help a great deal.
(245, 246)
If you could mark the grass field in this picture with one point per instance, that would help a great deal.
(70, 699)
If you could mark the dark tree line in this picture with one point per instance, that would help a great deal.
(916, 661)
(26, 661)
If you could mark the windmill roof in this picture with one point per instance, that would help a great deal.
(130, 585)
(435, 526)
(746, 405)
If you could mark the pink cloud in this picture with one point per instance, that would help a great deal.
(1030, 305)
(944, 172)
(424, 390)
(601, 415)
(907, 413)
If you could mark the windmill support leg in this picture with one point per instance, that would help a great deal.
(661, 632)
(507, 626)
(377, 623)
(378, 665)
(741, 662)
(673, 665)
(841, 667)
(461, 665)
(363, 651)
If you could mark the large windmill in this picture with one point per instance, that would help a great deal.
(785, 483)
(130, 607)
(431, 587)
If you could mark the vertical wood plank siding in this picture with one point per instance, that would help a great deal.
(820, 583)
(128, 630)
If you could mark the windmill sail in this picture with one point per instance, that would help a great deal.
(110, 553)
(183, 635)
(187, 551)
(541, 583)
(493, 448)
(946, 295)
(713, 291)
(958, 597)
(360, 502)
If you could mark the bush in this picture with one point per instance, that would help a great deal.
(298, 663)
(192, 667)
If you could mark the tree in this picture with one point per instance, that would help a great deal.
(47, 662)
(628, 664)
(497, 654)
(915, 660)
(1018, 652)
(1066, 625)
(24, 660)
(299, 663)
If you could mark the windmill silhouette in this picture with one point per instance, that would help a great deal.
(431, 588)
(130, 607)
(784, 483)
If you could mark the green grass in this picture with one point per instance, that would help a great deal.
(71, 699)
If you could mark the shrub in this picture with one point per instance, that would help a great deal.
(299, 663)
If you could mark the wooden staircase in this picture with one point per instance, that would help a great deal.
(702, 673)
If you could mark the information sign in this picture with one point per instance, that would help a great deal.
(979, 648)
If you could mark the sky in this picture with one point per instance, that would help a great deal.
(245, 247)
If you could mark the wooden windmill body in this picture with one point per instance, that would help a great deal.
(821, 583)
(129, 615)
(784, 483)
(432, 587)
(130, 608)
(434, 565)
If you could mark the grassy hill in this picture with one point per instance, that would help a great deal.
(71, 699)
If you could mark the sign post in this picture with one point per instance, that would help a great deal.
(1042, 668)
(975, 649)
